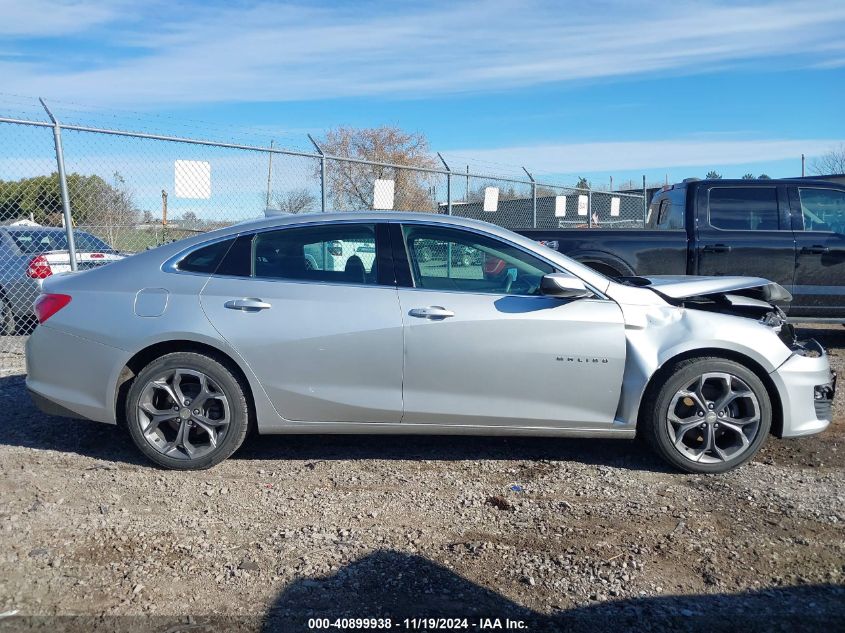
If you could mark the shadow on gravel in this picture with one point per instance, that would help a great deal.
(22, 424)
(390, 584)
(626, 454)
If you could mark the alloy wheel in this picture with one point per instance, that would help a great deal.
(183, 414)
(714, 419)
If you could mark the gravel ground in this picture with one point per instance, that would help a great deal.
(559, 534)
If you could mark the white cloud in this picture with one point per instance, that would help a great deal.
(583, 158)
(268, 52)
(44, 18)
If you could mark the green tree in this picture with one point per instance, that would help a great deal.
(93, 201)
(713, 175)
(583, 183)
(748, 177)
(763, 177)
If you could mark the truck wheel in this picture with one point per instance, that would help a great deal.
(8, 322)
(709, 416)
(186, 411)
(604, 269)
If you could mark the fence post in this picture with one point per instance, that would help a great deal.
(645, 202)
(322, 174)
(448, 185)
(60, 163)
(590, 208)
(533, 198)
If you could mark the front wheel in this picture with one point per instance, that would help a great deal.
(709, 416)
(187, 411)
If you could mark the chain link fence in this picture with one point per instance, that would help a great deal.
(107, 193)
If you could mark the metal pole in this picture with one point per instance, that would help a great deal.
(645, 201)
(802, 165)
(590, 208)
(448, 184)
(60, 163)
(322, 173)
(269, 175)
(533, 199)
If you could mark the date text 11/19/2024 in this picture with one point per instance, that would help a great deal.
(417, 624)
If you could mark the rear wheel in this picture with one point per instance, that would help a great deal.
(709, 416)
(187, 411)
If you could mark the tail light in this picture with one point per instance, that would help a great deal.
(335, 248)
(97, 256)
(47, 305)
(38, 268)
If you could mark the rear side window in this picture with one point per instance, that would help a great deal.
(823, 210)
(336, 253)
(744, 208)
(205, 260)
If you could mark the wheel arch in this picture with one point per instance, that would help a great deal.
(665, 367)
(605, 263)
(146, 355)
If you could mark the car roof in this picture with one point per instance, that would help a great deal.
(40, 229)
(358, 216)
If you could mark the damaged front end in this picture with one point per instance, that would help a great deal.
(748, 297)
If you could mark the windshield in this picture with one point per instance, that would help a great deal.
(31, 242)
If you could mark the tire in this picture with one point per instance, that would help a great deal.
(178, 436)
(712, 442)
(8, 322)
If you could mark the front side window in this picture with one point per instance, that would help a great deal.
(452, 259)
(339, 253)
(744, 208)
(823, 209)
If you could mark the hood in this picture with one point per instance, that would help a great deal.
(688, 287)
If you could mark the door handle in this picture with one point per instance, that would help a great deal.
(250, 304)
(717, 248)
(431, 312)
(816, 249)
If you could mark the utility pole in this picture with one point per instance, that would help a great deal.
(163, 207)
(802, 165)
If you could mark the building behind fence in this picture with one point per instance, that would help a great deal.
(137, 190)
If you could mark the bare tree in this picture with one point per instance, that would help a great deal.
(833, 162)
(351, 185)
(294, 201)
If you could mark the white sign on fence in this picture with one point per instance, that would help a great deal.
(614, 207)
(491, 199)
(383, 194)
(192, 179)
(583, 204)
(560, 206)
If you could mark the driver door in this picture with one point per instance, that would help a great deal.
(483, 347)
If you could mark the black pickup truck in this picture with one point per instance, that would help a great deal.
(789, 231)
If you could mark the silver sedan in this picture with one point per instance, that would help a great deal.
(417, 324)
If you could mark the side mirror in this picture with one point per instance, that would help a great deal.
(563, 286)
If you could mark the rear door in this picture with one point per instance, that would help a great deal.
(485, 348)
(745, 230)
(818, 217)
(323, 336)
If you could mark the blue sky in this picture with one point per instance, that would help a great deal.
(567, 89)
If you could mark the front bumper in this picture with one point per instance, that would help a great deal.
(806, 386)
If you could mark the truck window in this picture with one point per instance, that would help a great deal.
(670, 212)
(744, 208)
(823, 209)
